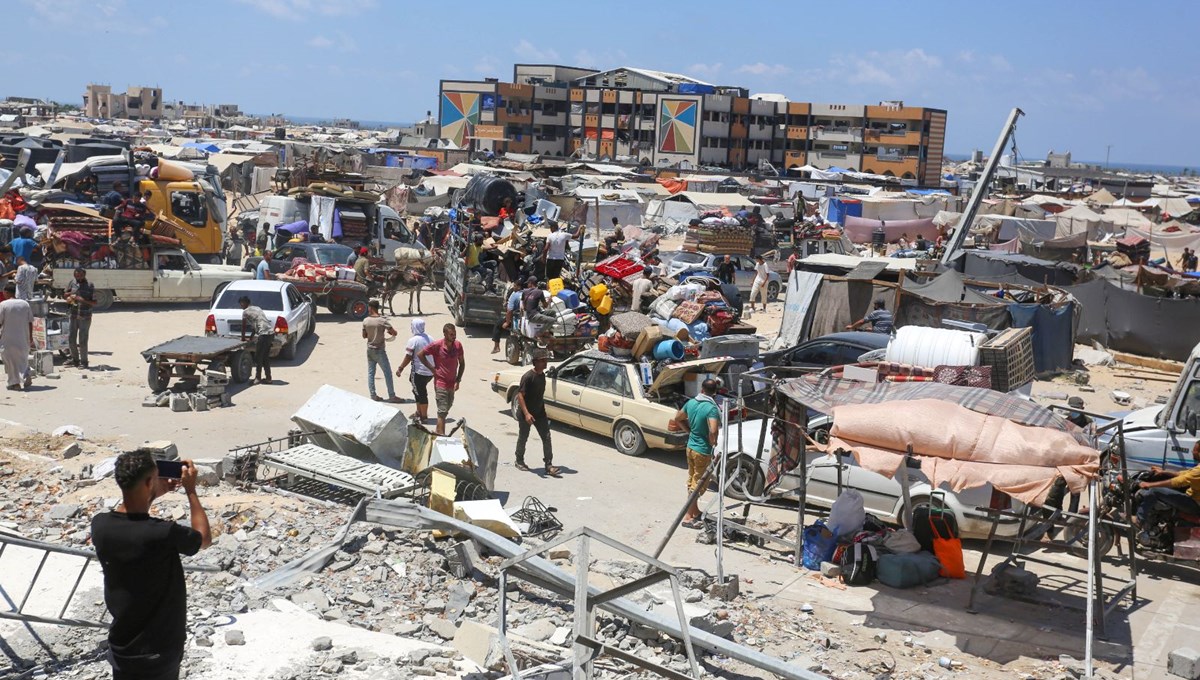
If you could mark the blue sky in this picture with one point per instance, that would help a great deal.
(1086, 74)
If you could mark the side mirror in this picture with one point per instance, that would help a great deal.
(552, 372)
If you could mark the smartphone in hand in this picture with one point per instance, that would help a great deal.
(169, 469)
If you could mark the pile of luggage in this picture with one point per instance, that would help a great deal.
(860, 548)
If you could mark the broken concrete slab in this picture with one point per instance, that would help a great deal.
(1185, 663)
(538, 631)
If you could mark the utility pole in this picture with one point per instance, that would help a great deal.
(1107, 151)
(981, 188)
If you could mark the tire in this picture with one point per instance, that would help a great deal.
(745, 479)
(628, 439)
(358, 310)
(288, 352)
(312, 323)
(337, 306)
(158, 380)
(104, 300)
(512, 351)
(241, 364)
(773, 288)
(460, 318)
(215, 259)
(514, 408)
(1077, 536)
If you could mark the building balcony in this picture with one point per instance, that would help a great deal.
(795, 132)
(792, 158)
(835, 134)
(894, 137)
(540, 118)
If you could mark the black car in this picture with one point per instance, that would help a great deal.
(834, 349)
(317, 253)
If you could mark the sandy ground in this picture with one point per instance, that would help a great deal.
(630, 499)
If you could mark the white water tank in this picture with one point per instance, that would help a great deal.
(929, 347)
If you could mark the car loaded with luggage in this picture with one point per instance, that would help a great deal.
(859, 548)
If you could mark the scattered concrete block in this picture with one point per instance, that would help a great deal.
(360, 598)
(443, 628)
(199, 402)
(1185, 663)
(180, 403)
(725, 591)
(560, 637)
(162, 449)
(478, 642)
(831, 570)
(538, 631)
(206, 476)
(711, 624)
(235, 637)
(150, 401)
(322, 644)
(63, 511)
(70, 450)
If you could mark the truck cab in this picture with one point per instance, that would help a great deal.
(185, 204)
(1164, 435)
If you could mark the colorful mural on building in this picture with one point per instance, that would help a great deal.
(677, 125)
(460, 114)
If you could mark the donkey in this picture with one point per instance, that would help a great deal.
(403, 280)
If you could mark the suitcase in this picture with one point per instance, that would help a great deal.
(937, 513)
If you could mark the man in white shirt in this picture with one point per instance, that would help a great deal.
(759, 287)
(25, 276)
(16, 336)
(556, 251)
(642, 287)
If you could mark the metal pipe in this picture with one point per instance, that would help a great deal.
(721, 493)
(1091, 580)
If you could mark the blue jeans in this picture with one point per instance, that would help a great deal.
(379, 357)
(1172, 497)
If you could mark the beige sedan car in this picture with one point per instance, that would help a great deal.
(604, 394)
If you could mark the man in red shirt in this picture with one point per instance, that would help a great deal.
(446, 360)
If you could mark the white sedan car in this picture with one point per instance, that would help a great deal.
(289, 311)
(882, 497)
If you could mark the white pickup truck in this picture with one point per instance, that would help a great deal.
(1163, 435)
(171, 275)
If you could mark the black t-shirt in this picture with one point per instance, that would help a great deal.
(531, 300)
(144, 587)
(533, 387)
(725, 272)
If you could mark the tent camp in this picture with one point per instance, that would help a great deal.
(684, 206)
(582, 203)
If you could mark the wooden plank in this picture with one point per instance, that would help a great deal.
(1165, 365)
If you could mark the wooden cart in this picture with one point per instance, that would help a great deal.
(186, 355)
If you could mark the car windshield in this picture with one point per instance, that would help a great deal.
(267, 300)
(688, 258)
(333, 255)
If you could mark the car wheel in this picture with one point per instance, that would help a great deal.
(337, 306)
(514, 408)
(460, 317)
(773, 291)
(288, 352)
(744, 480)
(358, 310)
(240, 366)
(628, 438)
(512, 351)
(312, 323)
(157, 378)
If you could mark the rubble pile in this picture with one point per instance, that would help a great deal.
(437, 592)
(210, 389)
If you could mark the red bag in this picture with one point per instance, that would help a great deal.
(948, 550)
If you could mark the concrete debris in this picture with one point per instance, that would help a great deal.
(235, 637)
(1185, 663)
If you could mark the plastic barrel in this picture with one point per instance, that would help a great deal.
(668, 349)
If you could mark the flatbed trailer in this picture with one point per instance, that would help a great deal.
(186, 355)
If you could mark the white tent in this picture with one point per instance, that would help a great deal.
(1124, 218)
(1080, 218)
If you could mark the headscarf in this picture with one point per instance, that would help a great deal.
(418, 327)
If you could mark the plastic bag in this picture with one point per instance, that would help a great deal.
(949, 553)
(847, 514)
(819, 544)
(908, 570)
(901, 542)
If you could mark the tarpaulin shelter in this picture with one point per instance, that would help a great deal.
(1124, 218)
(989, 265)
(837, 209)
(951, 296)
(861, 229)
(1101, 197)
(1080, 219)
(1128, 321)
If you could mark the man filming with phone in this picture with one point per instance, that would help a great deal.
(144, 587)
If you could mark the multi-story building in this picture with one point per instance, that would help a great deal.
(99, 101)
(666, 118)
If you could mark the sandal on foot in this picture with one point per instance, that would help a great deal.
(554, 471)
(522, 467)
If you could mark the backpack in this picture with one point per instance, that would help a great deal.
(858, 563)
